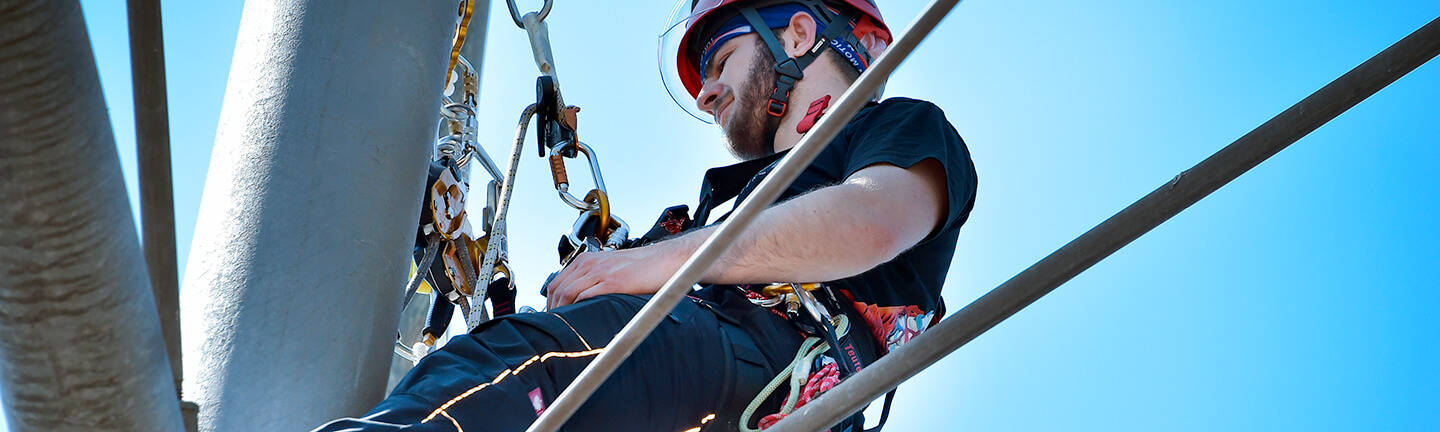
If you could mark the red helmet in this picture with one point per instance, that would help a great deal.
(680, 43)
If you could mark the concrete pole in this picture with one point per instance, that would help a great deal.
(79, 332)
(310, 208)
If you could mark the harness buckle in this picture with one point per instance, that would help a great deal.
(776, 108)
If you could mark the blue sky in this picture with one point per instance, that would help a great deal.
(1300, 297)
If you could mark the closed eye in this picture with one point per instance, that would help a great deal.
(718, 64)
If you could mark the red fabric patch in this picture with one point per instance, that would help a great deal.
(537, 400)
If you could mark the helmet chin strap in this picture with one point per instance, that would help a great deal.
(789, 70)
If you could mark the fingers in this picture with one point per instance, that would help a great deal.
(594, 273)
(573, 279)
(592, 291)
(579, 290)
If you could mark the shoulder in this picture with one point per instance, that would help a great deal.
(901, 108)
(902, 120)
(899, 117)
(907, 104)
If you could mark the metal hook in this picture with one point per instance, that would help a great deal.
(520, 22)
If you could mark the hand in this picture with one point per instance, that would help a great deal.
(630, 271)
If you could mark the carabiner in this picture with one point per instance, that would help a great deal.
(562, 182)
(617, 235)
(519, 21)
(778, 289)
(602, 204)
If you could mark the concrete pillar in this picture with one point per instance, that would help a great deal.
(310, 209)
(80, 341)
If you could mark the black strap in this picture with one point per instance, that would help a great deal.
(758, 24)
(790, 70)
(884, 413)
(728, 182)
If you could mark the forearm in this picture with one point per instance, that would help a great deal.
(828, 234)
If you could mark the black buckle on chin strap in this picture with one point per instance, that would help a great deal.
(787, 74)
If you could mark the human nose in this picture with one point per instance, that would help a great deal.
(709, 99)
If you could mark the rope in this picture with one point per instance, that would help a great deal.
(813, 347)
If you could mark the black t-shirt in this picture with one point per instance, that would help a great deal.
(899, 298)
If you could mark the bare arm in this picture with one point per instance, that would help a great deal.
(830, 233)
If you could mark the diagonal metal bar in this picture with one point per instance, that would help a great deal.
(1122, 228)
(790, 167)
(157, 197)
(152, 138)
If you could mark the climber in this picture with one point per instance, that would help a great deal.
(873, 220)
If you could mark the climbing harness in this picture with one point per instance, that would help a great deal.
(827, 356)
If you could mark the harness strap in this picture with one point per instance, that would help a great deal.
(790, 70)
(884, 413)
(821, 338)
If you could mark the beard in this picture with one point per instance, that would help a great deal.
(750, 131)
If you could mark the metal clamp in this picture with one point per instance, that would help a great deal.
(812, 306)
(615, 239)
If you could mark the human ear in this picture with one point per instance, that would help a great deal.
(800, 35)
(873, 45)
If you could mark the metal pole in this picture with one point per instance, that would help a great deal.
(157, 198)
(1137, 219)
(81, 342)
(790, 166)
(310, 208)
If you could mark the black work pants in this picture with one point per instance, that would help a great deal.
(698, 367)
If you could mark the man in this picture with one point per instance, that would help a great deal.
(875, 217)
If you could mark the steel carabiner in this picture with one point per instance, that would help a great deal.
(562, 181)
(519, 20)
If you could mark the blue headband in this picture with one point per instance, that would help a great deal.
(775, 17)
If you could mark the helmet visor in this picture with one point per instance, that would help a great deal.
(678, 71)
